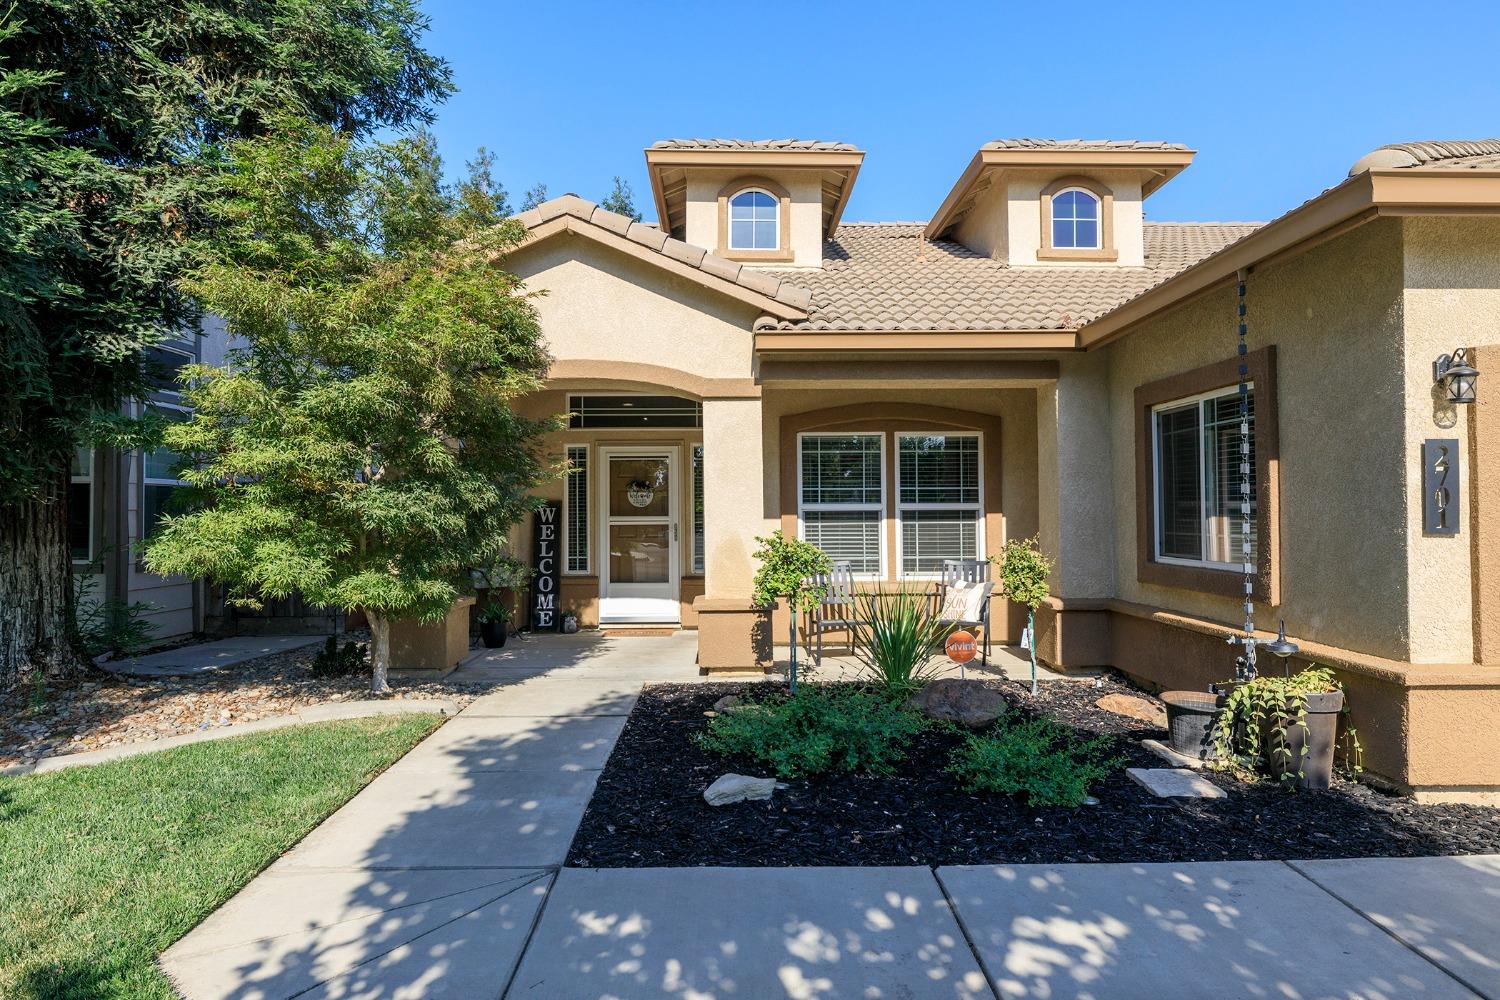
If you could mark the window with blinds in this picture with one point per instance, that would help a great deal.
(1199, 507)
(841, 497)
(939, 501)
(576, 516)
(697, 508)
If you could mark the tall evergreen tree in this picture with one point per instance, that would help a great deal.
(363, 450)
(113, 118)
(481, 194)
(534, 197)
(621, 200)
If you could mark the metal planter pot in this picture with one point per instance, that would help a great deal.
(1319, 736)
(1190, 720)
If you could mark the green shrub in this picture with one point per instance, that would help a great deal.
(1038, 759)
(815, 730)
(896, 637)
(332, 661)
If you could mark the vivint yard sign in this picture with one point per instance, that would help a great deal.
(547, 571)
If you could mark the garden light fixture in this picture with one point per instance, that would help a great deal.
(1281, 646)
(1454, 373)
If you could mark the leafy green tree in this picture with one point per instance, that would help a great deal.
(1024, 569)
(113, 116)
(483, 196)
(621, 200)
(534, 197)
(362, 450)
(786, 568)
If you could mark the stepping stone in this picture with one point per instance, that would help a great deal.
(1172, 757)
(1174, 783)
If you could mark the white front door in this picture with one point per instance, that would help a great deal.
(639, 581)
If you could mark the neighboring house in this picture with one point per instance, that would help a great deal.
(1039, 359)
(118, 496)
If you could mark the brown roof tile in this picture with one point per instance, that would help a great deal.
(886, 277)
(815, 145)
(1446, 154)
(1086, 144)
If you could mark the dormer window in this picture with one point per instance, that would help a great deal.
(754, 221)
(1075, 220)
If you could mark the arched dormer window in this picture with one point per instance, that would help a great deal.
(754, 220)
(1075, 220)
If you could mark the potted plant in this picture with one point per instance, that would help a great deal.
(570, 621)
(787, 566)
(1285, 726)
(493, 617)
(1023, 579)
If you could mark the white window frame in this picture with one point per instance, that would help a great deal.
(901, 508)
(883, 561)
(1198, 399)
(696, 486)
(1098, 243)
(146, 478)
(86, 478)
(567, 514)
(775, 220)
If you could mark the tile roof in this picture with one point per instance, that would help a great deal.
(770, 284)
(885, 277)
(814, 145)
(1085, 144)
(1452, 154)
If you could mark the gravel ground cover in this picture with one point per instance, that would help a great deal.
(648, 809)
(104, 710)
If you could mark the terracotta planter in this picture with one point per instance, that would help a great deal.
(1318, 736)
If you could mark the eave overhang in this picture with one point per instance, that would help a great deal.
(668, 170)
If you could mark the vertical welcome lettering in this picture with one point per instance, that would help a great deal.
(546, 568)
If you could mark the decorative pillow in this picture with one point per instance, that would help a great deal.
(964, 601)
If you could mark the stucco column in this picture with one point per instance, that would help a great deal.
(1076, 511)
(732, 633)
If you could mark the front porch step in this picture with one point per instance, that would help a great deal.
(640, 629)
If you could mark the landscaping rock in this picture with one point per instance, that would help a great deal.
(970, 704)
(732, 788)
(1131, 707)
(1174, 783)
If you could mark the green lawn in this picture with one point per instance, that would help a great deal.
(101, 868)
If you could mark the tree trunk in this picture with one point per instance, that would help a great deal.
(380, 651)
(36, 588)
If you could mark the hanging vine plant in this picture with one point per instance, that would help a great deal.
(1287, 727)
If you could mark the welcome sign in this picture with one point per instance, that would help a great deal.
(546, 569)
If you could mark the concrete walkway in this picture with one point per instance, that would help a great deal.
(204, 657)
(443, 878)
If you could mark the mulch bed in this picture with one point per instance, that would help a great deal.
(648, 808)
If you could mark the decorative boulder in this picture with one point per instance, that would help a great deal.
(968, 703)
(732, 788)
(1139, 709)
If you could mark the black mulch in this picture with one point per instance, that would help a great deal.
(648, 808)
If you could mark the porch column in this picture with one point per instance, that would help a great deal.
(1077, 516)
(730, 628)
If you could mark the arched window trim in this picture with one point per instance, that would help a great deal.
(1105, 199)
(1098, 204)
(782, 252)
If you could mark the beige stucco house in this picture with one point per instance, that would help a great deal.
(1040, 359)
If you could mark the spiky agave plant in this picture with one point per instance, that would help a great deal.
(896, 636)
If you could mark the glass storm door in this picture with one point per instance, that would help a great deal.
(639, 582)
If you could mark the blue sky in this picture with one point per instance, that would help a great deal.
(1278, 98)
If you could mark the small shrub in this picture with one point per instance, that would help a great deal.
(817, 730)
(107, 624)
(333, 661)
(1038, 759)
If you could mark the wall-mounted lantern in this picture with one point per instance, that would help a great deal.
(1454, 373)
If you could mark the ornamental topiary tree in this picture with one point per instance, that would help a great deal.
(1023, 579)
(361, 450)
(786, 565)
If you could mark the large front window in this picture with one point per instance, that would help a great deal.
(842, 497)
(938, 500)
(1198, 473)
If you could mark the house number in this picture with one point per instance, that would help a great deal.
(1440, 494)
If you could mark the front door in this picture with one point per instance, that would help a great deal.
(639, 582)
